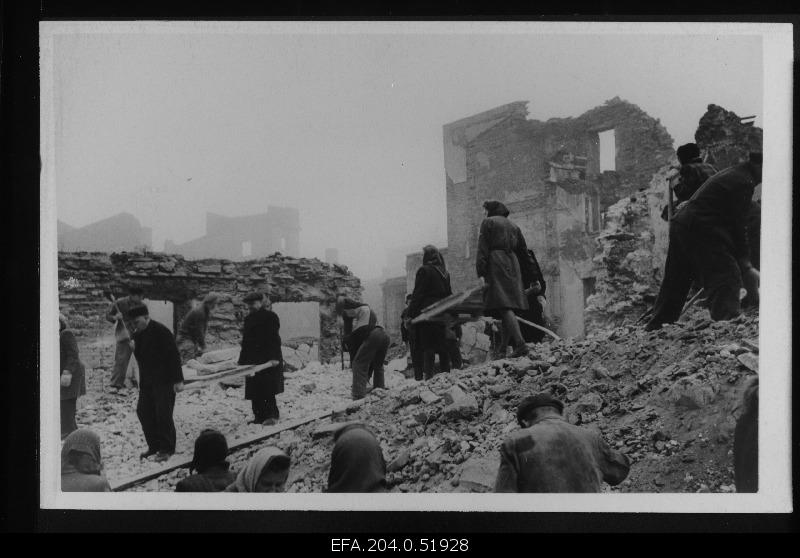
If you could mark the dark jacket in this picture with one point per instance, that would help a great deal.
(215, 479)
(692, 176)
(553, 455)
(430, 286)
(157, 356)
(502, 260)
(194, 326)
(71, 361)
(261, 342)
(354, 338)
(720, 208)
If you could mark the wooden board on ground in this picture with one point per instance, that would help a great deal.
(191, 377)
(462, 307)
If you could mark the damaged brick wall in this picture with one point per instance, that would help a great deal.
(726, 138)
(548, 174)
(85, 276)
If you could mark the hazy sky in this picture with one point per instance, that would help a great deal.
(347, 128)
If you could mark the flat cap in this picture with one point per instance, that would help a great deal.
(539, 400)
(137, 311)
(253, 297)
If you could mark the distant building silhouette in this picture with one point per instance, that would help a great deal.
(122, 232)
(246, 237)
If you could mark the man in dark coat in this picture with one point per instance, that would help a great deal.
(536, 287)
(708, 241)
(431, 285)
(502, 261)
(409, 334)
(366, 341)
(118, 313)
(551, 455)
(213, 470)
(73, 377)
(692, 171)
(191, 337)
(160, 378)
(261, 344)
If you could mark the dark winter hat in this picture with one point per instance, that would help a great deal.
(137, 311)
(687, 152)
(496, 208)
(210, 449)
(534, 401)
(252, 297)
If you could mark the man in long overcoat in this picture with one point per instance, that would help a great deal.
(160, 378)
(261, 344)
(502, 257)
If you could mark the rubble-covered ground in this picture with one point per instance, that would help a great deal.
(668, 399)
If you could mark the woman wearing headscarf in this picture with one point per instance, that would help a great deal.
(213, 474)
(367, 343)
(357, 463)
(431, 285)
(73, 381)
(266, 471)
(81, 464)
(502, 261)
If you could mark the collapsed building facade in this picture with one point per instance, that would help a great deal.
(303, 292)
(121, 232)
(245, 237)
(557, 179)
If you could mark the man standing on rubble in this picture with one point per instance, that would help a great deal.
(191, 337)
(261, 344)
(708, 240)
(160, 378)
(551, 455)
(118, 313)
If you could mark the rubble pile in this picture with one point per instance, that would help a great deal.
(84, 277)
(725, 138)
(630, 257)
(668, 399)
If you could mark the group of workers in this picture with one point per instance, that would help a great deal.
(709, 248)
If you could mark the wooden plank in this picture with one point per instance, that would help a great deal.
(234, 372)
(249, 440)
(455, 304)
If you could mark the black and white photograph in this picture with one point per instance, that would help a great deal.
(419, 266)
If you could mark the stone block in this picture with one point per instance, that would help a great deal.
(589, 403)
(478, 474)
(749, 360)
(464, 408)
(427, 396)
(402, 459)
(453, 394)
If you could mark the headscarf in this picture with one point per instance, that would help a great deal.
(357, 463)
(432, 256)
(248, 477)
(82, 441)
(210, 449)
(496, 208)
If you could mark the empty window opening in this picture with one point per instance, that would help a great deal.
(608, 151)
(161, 311)
(589, 288)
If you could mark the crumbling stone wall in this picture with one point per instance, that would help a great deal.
(548, 174)
(84, 277)
(725, 139)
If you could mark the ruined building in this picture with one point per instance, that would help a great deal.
(632, 247)
(246, 237)
(303, 292)
(557, 178)
(119, 233)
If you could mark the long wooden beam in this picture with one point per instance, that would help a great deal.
(270, 431)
